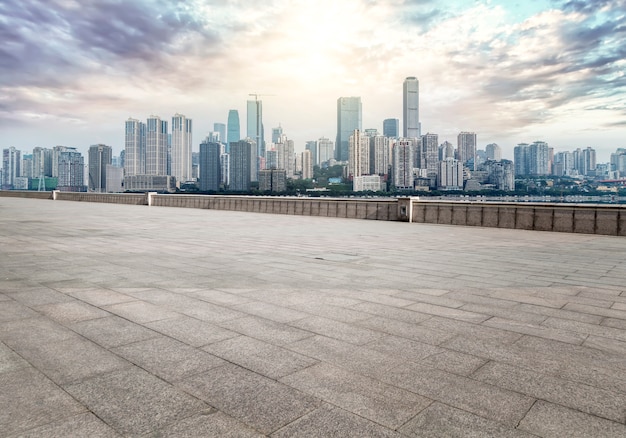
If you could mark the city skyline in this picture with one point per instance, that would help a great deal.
(549, 70)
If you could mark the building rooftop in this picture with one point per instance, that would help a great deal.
(120, 320)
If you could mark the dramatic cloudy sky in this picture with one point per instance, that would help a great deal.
(71, 71)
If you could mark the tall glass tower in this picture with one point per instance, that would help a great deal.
(411, 108)
(181, 148)
(135, 148)
(234, 131)
(349, 111)
(255, 125)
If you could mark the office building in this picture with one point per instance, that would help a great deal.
(234, 131)
(307, 165)
(466, 149)
(181, 149)
(429, 154)
(26, 167)
(56, 153)
(410, 108)
(501, 174)
(585, 161)
(241, 155)
(100, 156)
(272, 180)
(391, 128)
(312, 146)
(532, 159)
(326, 150)
(11, 161)
(349, 115)
(135, 147)
(255, 125)
(277, 134)
(156, 146)
(114, 179)
(71, 171)
(359, 159)
(220, 128)
(450, 175)
(225, 169)
(42, 162)
(210, 166)
(493, 151)
(403, 159)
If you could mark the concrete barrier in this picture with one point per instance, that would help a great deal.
(567, 218)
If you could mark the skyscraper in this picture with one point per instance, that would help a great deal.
(379, 155)
(325, 149)
(429, 154)
(181, 148)
(359, 160)
(391, 128)
(494, 152)
(349, 116)
(411, 108)
(241, 154)
(255, 125)
(100, 157)
(312, 146)
(466, 148)
(156, 146)
(277, 133)
(221, 128)
(234, 131)
(210, 166)
(403, 158)
(71, 171)
(135, 148)
(11, 160)
(42, 162)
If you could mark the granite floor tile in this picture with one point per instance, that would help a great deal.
(404, 349)
(191, 331)
(585, 328)
(337, 330)
(263, 358)
(113, 331)
(167, 358)
(471, 330)
(396, 313)
(337, 313)
(9, 360)
(208, 424)
(261, 403)
(208, 311)
(560, 313)
(439, 420)
(593, 310)
(12, 310)
(266, 330)
(329, 421)
(401, 329)
(40, 296)
(606, 344)
(29, 399)
(72, 311)
(448, 312)
(76, 426)
(366, 397)
(99, 297)
(140, 311)
(537, 330)
(134, 402)
(271, 311)
(585, 398)
(454, 362)
(551, 420)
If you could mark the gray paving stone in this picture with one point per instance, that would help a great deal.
(471, 330)
(366, 397)
(415, 332)
(337, 330)
(12, 310)
(38, 296)
(209, 312)
(439, 420)
(514, 314)
(261, 357)
(261, 403)
(537, 330)
(76, 426)
(609, 313)
(28, 400)
(9, 360)
(479, 398)
(219, 297)
(606, 344)
(585, 328)
(208, 424)
(99, 297)
(439, 300)
(135, 402)
(333, 422)
(385, 311)
(167, 358)
(454, 362)
(113, 331)
(333, 312)
(560, 313)
(140, 311)
(70, 312)
(548, 419)
(585, 398)
(266, 330)
(191, 331)
(448, 312)
(271, 311)
(404, 349)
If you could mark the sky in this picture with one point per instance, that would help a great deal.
(72, 71)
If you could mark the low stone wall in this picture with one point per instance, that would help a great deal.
(373, 209)
(566, 218)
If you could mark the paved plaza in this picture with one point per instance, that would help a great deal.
(120, 320)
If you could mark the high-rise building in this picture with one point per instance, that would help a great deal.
(286, 156)
(403, 152)
(221, 129)
(326, 150)
(349, 116)
(391, 128)
(563, 164)
(210, 166)
(56, 154)
(272, 180)
(42, 162)
(379, 155)
(277, 133)
(225, 168)
(466, 148)
(450, 175)
(359, 159)
(100, 156)
(71, 171)
(156, 146)
(501, 174)
(26, 166)
(429, 154)
(446, 150)
(585, 161)
(241, 155)
(135, 147)
(494, 152)
(234, 130)
(312, 146)
(181, 148)
(411, 108)
(532, 159)
(255, 125)
(307, 165)
(114, 179)
(11, 161)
